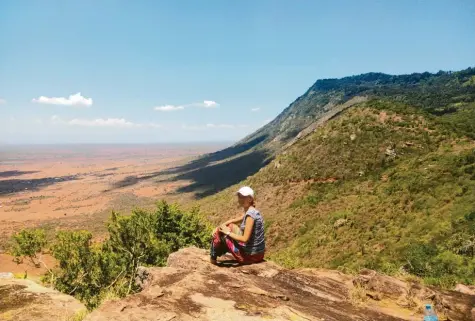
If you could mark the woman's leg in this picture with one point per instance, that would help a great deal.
(235, 248)
(222, 244)
(254, 258)
(218, 242)
(218, 246)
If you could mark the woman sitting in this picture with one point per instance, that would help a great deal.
(245, 242)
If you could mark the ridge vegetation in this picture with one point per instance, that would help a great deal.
(440, 94)
(388, 184)
(94, 271)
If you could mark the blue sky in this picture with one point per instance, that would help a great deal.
(186, 71)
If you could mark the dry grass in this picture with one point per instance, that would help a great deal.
(20, 275)
(78, 316)
(358, 295)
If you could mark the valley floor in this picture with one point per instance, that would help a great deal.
(70, 187)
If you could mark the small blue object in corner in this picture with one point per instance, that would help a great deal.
(429, 314)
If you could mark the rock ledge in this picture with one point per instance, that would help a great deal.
(190, 288)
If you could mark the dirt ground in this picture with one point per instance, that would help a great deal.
(76, 187)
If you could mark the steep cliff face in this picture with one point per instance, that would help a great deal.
(434, 93)
(190, 288)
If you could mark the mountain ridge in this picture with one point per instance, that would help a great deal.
(390, 180)
(433, 94)
(340, 90)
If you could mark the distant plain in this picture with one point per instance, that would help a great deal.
(77, 186)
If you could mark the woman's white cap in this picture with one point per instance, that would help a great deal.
(246, 191)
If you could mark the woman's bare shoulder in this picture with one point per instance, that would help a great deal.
(252, 211)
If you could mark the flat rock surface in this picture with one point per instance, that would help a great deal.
(22, 299)
(190, 288)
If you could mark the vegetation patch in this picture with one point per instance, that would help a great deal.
(93, 272)
(388, 186)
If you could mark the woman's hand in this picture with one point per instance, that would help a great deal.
(224, 229)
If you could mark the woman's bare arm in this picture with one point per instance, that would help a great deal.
(234, 220)
(247, 231)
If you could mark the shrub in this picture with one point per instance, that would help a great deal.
(419, 256)
(28, 244)
(80, 272)
(93, 272)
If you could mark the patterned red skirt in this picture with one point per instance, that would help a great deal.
(222, 244)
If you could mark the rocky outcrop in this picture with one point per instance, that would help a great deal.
(23, 300)
(450, 305)
(330, 111)
(465, 289)
(190, 288)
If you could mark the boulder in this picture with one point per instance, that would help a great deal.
(464, 289)
(391, 152)
(385, 285)
(190, 288)
(450, 304)
(22, 299)
(340, 222)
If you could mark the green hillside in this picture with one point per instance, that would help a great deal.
(435, 93)
(443, 93)
(387, 184)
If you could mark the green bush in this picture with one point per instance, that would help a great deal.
(80, 272)
(94, 271)
(28, 244)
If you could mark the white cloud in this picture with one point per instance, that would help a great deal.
(204, 104)
(102, 122)
(168, 108)
(212, 126)
(2, 101)
(255, 109)
(72, 100)
(209, 104)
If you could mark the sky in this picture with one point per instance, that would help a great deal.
(150, 71)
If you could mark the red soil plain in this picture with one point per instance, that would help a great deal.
(77, 186)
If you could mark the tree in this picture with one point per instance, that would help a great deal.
(91, 271)
(29, 244)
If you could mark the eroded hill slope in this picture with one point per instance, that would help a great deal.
(383, 185)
